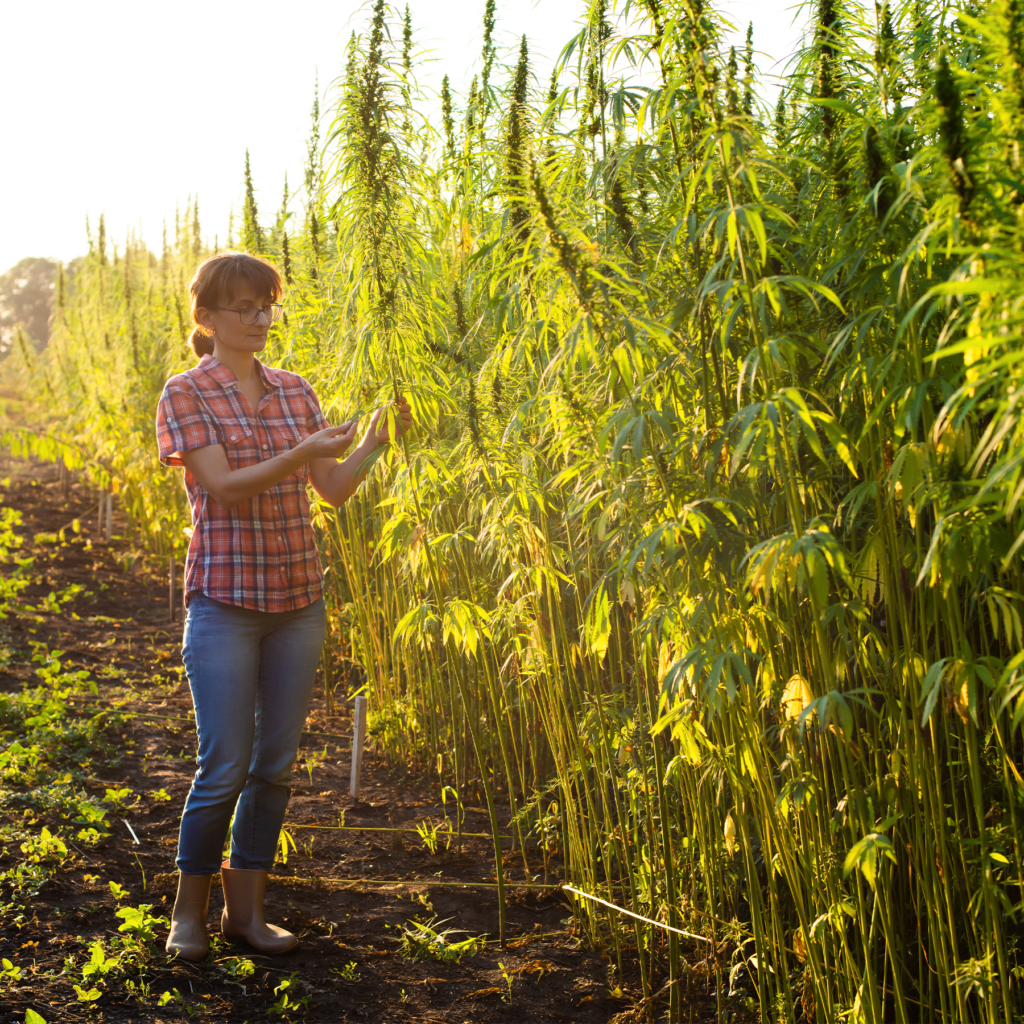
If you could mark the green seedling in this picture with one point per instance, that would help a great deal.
(86, 995)
(9, 972)
(118, 891)
(160, 794)
(460, 812)
(99, 965)
(508, 977)
(119, 799)
(139, 924)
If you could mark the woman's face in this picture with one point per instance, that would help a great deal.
(229, 330)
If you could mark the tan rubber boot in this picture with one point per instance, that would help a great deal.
(189, 938)
(243, 912)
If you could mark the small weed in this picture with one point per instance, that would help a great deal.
(91, 837)
(239, 967)
(55, 600)
(160, 794)
(313, 761)
(286, 1005)
(139, 923)
(348, 972)
(284, 840)
(428, 833)
(187, 1008)
(423, 941)
(46, 849)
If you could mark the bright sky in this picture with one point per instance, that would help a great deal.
(128, 108)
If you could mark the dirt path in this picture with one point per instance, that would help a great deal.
(348, 965)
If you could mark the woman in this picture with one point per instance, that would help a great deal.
(250, 438)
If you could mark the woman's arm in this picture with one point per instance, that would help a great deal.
(335, 481)
(230, 487)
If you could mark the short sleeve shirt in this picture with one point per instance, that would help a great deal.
(261, 554)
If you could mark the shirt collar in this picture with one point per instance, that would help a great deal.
(219, 373)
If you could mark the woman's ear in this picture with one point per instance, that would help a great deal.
(205, 318)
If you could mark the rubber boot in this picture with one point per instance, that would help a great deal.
(189, 938)
(243, 912)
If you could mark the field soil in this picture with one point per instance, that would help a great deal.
(346, 893)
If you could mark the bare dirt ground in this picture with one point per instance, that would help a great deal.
(339, 890)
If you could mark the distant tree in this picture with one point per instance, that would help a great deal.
(26, 298)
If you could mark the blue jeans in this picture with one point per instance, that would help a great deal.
(251, 675)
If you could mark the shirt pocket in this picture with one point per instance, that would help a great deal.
(240, 444)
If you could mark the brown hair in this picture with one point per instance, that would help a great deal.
(218, 279)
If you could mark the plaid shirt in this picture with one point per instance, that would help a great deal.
(261, 554)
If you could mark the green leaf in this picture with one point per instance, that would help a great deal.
(864, 856)
(756, 225)
(931, 688)
(597, 628)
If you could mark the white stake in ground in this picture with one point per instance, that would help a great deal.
(358, 737)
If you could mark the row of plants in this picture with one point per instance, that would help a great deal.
(705, 554)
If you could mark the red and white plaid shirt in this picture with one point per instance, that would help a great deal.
(261, 554)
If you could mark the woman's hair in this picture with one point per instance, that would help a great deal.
(219, 279)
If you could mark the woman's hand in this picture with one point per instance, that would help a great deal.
(336, 482)
(402, 418)
(331, 443)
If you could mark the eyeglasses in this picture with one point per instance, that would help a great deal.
(251, 314)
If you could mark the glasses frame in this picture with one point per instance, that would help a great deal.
(276, 310)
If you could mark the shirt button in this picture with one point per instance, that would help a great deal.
(233, 437)
(280, 540)
(265, 447)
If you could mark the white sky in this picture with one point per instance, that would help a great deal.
(126, 108)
